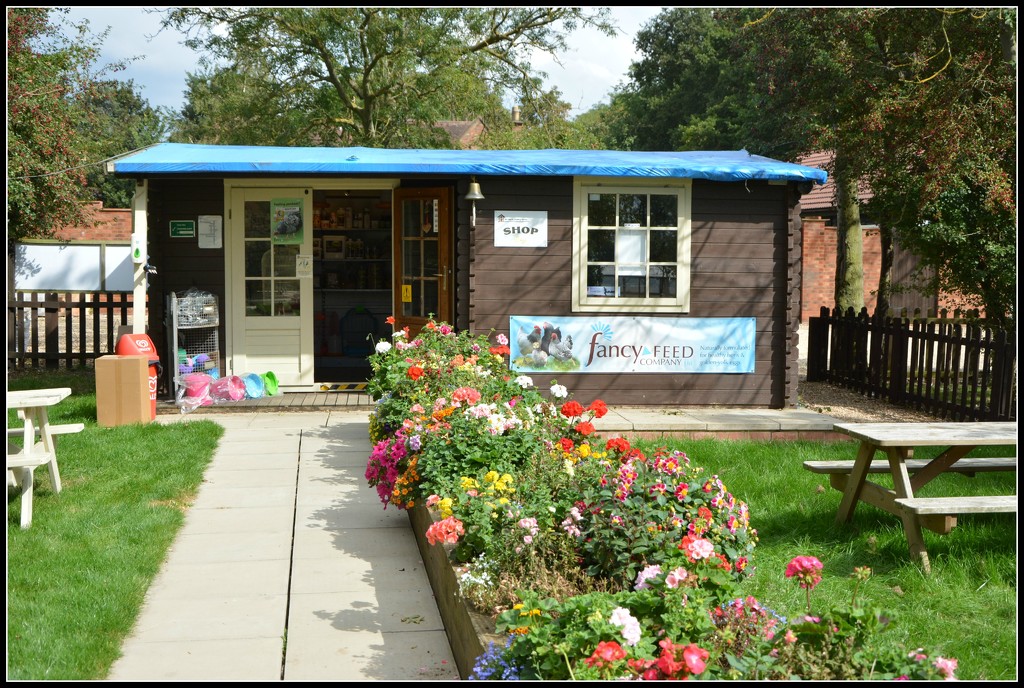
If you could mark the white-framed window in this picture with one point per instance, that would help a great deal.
(631, 246)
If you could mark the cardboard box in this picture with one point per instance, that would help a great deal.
(122, 390)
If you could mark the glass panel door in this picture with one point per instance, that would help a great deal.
(423, 270)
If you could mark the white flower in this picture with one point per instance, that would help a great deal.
(559, 391)
(630, 626)
(524, 381)
(383, 347)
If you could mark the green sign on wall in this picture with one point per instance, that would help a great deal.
(183, 229)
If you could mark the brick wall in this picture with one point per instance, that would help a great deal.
(819, 267)
(107, 224)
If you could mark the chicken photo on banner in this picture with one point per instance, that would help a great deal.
(286, 220)
(541, 345)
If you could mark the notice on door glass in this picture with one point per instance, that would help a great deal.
(303, 266)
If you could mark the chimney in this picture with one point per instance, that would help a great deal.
(515, 116)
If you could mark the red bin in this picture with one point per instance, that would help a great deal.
(142, 345)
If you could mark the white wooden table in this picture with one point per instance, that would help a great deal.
(897, 441)
(37, 447)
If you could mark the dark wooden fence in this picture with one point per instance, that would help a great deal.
(64, 329)
(953, 368)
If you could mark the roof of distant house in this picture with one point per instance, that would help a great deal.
(726, 166)
(823, 197)
(464, 132)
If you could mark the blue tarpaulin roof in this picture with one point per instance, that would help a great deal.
(723, 166)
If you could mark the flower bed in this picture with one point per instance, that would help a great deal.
(586, 558)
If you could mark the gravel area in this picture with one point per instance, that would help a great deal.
(847, 405)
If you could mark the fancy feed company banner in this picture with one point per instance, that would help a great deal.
(631, 344)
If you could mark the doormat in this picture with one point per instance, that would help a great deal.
(344, 387)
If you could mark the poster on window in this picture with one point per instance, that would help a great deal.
(286, 220)
(631, 344)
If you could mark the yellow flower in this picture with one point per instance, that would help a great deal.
(491, 477)
(468, 484)
(445, 507)
(584, 450)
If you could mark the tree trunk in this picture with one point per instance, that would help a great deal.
(849, 245)
(882, 304)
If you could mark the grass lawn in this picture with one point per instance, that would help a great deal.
(76, 579)
(966, 608)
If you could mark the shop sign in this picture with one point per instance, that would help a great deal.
(519, 228)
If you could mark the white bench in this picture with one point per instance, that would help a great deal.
(51, 459)
(965, 466)
(929, 506)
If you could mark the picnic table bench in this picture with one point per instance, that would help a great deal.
(897, 441)
(38, 446)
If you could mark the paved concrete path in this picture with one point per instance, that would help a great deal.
(288, 567)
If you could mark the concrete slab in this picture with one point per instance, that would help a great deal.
(228, 546)
(258, 519)
(373, 656)
(353, 573)
(221, 618)
(241, 497)
(184, 580)
(247, 659)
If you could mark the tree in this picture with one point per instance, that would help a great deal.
(378, 76)
(543, 123)
(687, 91)
(920, 104)
(116, 120)
(46, 155)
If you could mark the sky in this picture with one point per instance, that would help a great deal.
(590, 69)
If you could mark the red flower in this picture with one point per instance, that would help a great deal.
(390, 320)
(598, 407)
(499, 350)
(415, 372)
(619, 444)
(585, 428)
(572, 409)
(607, 652)
(567, 444)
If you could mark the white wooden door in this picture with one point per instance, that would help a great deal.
(272, 284)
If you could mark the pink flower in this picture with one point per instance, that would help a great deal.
(675, 577)
(805, 570)
(695, 658)
(447, 531)
(946, 666)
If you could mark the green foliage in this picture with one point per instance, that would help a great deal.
(117, 120)
(77, 578)
(374, 76)
(46, 75)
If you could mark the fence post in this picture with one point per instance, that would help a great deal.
(52, 324)
(817, 346)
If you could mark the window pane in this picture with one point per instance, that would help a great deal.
(254, 253)
(601, 210)
(600, 280)
(257, 219)
(664, 210)
(411, 257)
(284, 259)
(632, 284)
(411, 218)
(663, 281)
(430, 262)
(633, 210)
(663, 247)
(257, 297)
(631, 246)
(601, 245)
(286, 297)
(430, 299)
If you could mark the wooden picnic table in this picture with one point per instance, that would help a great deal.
(897, 441)
(38, 446)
